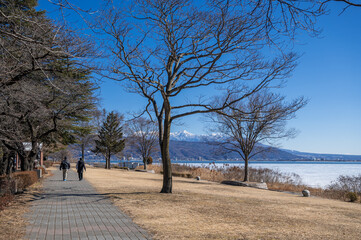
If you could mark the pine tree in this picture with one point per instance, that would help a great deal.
(45, 90)
(110, 138)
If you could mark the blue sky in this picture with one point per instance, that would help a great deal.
(328, 74)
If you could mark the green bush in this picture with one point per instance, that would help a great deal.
(351, 196)
(25, 179)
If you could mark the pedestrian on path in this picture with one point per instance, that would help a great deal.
(80, 166)
(65, 165)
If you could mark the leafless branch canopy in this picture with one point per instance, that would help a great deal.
(260, 118)
(143, 134)
(171, 50)
(164, 48)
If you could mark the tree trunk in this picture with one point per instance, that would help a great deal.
(82, 151)
(24, 162)
(4, 162)
(145, 163)
(246, 173)
(167, 166)
(107, 162)
(31, 158)
(9, 163)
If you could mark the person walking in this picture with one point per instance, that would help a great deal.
(80, 166)
(65, 165)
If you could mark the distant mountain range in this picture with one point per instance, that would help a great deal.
(188, 146)
(190, 137)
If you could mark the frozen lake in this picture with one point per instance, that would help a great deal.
(314, 174)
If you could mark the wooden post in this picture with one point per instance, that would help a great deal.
(41, 158)
(17, 162)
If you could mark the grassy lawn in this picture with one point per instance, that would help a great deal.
(209, 210)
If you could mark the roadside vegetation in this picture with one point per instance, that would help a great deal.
(345, 188)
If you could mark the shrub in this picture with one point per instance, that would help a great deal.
(99, 165)
(25, 179)
(5, 185)
(351, 196)
(215, 173)
(43, 171)
(346, 187)
(124, 168)
(347, 184)
(9, 186)
(149, 160)
(182, 174)
(48, 163)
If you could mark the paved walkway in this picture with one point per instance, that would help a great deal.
(74, 210)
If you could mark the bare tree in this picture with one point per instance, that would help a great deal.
(346, 4)
(144, 136)
(260, 118)
(164, 49)
(354, 3)
(85, 135)
(58, 156)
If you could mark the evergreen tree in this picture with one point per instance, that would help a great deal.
(46, 90)
(110, 138)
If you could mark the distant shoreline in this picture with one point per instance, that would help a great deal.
(239, 161)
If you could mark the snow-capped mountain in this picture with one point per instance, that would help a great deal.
(184, 136)
(190, 137)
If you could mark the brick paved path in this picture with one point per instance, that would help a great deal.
(74, 210)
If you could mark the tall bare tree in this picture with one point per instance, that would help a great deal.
(168, 50)
(260, 118)
(144, 136)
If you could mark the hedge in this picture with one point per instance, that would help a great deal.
(25, 179)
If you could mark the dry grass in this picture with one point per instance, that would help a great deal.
(276, 180)
(209, 210)
(12, 220)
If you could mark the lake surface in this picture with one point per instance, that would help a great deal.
(314, 174)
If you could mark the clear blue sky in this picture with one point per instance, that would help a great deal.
(329, 74)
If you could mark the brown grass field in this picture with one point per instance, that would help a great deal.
(209, 210)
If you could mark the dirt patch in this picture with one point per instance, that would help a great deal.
(208, 210)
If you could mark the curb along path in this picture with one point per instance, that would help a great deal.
(74, 210)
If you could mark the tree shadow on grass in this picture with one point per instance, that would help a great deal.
(196, 182)
(82, 197)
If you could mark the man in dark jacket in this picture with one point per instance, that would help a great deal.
(80, 166)
(65, 165)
